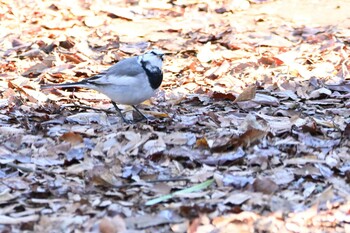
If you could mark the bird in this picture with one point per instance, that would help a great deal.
(130, 81)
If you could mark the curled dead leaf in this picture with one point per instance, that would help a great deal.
(67, 44)
(202, 143)
(247, 94)
(224, 96)
(246, 139)
(270, 61)
(72, 137)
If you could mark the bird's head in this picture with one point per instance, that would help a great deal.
(153, 58)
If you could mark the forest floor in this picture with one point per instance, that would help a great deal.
(249, 132)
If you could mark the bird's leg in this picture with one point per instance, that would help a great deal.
(120, 112)
(140, 113)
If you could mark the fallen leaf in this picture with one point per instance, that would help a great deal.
(247, 94)
(89, 118)
(18, 220)
(72, 137)
(266, 99)
(145, 221)
(265, 185)
(93, 21)
(237, 198)
(112, 225)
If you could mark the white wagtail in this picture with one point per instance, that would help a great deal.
(130, 81)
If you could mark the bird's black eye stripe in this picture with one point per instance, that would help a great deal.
(154, 53)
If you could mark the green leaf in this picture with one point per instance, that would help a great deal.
(194, 188)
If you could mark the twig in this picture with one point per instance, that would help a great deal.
(23, 169)
(28, 170)
(152, 182)
(169, 180)
(88, 107)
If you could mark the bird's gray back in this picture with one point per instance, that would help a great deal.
(126, 67)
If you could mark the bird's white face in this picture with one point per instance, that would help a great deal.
(153, 58)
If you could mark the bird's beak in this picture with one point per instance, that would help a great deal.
(161, 56)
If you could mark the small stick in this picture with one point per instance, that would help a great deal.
(23, 169)
(88, 107)
(153, 181)
(28, 170)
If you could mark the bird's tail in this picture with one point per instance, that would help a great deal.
(64, 85)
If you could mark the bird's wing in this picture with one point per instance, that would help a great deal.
(125, 72)
(126, 68)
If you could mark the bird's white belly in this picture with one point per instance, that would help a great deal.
(128, 94)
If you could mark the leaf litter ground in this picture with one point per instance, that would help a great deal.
(249, 132)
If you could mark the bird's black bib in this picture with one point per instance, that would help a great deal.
(155, 76)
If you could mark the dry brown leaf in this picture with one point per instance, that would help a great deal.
(224, 96)
(242, 218)
(35, 70)
(237, 198)
(203, 143)
(112, 225)
(194, 226)
(265, 185)
(104, 176)
(246, 139)
(212, 52)
(72, 138)
(247, 94)
(251, 136)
